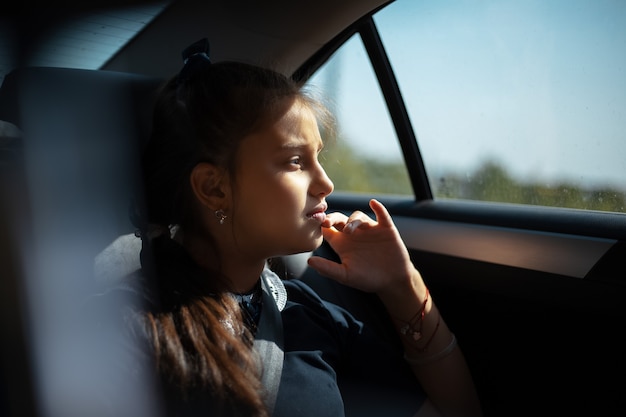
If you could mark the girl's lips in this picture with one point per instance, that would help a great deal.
(319, 216)
(318, 213)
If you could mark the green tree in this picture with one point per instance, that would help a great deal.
(491, 182)
(351, 171)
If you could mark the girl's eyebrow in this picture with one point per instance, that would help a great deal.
(293, 145)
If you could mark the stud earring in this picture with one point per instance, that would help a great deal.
(221, 216)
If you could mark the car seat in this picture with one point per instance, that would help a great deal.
(80, 134)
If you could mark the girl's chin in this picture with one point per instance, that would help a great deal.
(309, 246)
(317, 239)
(304, 240)
(318, 242)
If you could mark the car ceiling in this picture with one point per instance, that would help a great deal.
(147, 37)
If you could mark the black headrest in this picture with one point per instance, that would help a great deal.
(82, 133)
(27, 94)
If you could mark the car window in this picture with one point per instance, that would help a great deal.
(515, 101)
(364, 155)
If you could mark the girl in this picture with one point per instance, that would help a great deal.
(232, 179)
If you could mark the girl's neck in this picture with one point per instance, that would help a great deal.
(243, 273)
(242, 277)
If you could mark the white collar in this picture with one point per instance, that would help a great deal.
(274, 285)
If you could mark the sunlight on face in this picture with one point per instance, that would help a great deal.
(281, 186)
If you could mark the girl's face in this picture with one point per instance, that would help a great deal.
(280, 191)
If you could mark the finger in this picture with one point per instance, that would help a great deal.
(358, 220)
(382, 215)
(328, 268)
(358, 215)
(331, 234)
(336, 220)
(351, 226)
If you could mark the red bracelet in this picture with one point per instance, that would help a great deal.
(413, 327)
(432, 336)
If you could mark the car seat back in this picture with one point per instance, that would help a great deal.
(80, 134)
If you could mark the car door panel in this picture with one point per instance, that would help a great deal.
(537, 314)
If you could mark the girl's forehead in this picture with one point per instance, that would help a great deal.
(295, 127)
(297, 116)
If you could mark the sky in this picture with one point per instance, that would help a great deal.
(538, 86)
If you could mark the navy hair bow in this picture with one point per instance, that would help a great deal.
(195, 58)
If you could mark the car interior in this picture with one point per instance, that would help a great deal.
(535, 295)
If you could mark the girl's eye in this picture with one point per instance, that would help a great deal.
(296, 161)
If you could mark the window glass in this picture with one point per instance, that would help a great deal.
(365, 155)
(515, 101)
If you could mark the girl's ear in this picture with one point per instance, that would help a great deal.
(210, 185)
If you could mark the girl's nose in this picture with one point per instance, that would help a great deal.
(322, 184)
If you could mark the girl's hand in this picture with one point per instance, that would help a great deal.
(373, 255)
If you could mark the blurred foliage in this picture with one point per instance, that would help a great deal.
(353, 172)
(490, 182)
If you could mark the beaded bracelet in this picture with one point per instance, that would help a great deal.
(421, 361)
